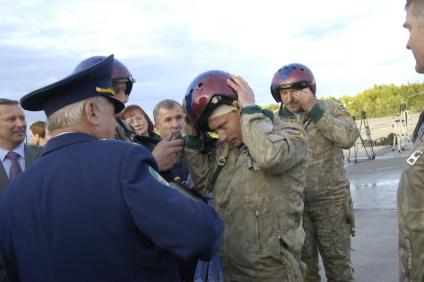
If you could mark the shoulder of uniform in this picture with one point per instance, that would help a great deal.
(124, 150)
(328, 104)
(333, 107)
(117, 144)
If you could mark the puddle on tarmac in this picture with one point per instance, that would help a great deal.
(379, 195)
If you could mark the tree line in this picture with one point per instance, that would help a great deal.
(381, 100)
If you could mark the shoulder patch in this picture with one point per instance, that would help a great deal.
(413, 158)
(345, 112)
(294, 132)
(158, 177)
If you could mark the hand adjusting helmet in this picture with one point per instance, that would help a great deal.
(204, 94)
(120, 73)
(292, 76)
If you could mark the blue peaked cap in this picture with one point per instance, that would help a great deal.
(91, 82)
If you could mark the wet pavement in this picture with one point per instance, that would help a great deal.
(374, 186)
(373, 183)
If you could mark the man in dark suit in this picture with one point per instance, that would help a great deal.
(12, 135)
(97, 209)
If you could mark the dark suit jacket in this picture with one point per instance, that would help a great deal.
(97, 210)
(31, 154)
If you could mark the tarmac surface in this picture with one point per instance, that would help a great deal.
(374, 187)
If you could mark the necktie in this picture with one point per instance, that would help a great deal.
(15, 168)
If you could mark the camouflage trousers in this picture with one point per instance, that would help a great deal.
(409, 269)
(328, 233)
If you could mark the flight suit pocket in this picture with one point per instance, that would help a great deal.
(243, 234)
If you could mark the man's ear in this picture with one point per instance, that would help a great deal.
(90, 112)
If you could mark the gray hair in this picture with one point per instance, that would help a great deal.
(4, 101)
(164, 104)
(71, 114)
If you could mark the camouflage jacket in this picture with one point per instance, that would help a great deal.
(410, 200)
(330, 128)
(258, 193)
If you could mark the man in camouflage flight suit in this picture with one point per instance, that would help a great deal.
(328, 215)
(411, 185)
(256, 174)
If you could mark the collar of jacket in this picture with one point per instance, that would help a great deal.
(284, 113)
(66, 139)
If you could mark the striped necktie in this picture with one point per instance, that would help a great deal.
(15, 168)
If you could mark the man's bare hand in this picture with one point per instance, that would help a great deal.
(245, 96)
(167, 153)
(306, 99)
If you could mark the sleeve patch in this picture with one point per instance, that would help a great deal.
(294, 132)
(158, 177)
(345, 112)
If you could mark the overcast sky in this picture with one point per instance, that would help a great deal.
(349, 45)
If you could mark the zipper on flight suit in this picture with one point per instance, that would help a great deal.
(280, 235)
(249, 161)
(258, 231)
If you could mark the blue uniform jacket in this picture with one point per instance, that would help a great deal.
(96, 210)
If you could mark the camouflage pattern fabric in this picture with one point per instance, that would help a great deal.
(124, 131)
(328, 217)
(410, 200)
(259, 195)
(328, 232)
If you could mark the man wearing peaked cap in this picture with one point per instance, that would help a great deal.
(122, 83)
(91, 82)
(167, 152)
(97, 210)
